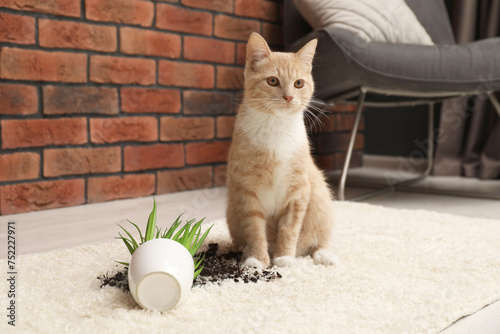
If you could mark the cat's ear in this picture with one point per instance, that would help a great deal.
(257, 47)
(306, 54)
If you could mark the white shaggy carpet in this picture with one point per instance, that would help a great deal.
(401, 271)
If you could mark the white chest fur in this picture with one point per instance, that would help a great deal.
(283, 136)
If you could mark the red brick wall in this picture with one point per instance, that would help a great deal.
(109, 99)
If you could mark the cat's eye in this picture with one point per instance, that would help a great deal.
(299, 83)
(273, 81)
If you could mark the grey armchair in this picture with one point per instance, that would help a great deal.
(379, 74)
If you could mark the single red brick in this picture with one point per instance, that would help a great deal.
(75, 161)
(135, 12)
(185, 179)
(241, 53)
(207, 152)
(59, 100)
(341, 107)
(17, 29)
(18, 99)
(345, 122)
(153, 157)
(229, 77)
(36, 65)
(114, 130)
(57, 7)
(220, 175)
(207, 103)
(235, 28)
(173, 73)
(27, 197)
(192, 128)
(43, 132)
(101, 189)
(326, 123)
(273, 33)
(226, 6)
(335, 142)
(75, 35)
(184, 20)
(206, 49)
(258, 9)
(19, 166)
(225, 126)
(150, 100)
(149, 43)
(121, 70)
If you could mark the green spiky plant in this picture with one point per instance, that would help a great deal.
(189, 235)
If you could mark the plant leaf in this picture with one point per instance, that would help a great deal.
(196, 231)
(197, 236)
(128, 244)
(198, 260)
(183, 228)
(195, 247)
(185, 235)
(168, 233)
(138, 229)
(197, 272)
(126, 264)
(151, 226)
(132, 240)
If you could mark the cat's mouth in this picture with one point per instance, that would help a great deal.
(288, 106)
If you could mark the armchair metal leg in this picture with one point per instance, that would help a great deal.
(430, 158)
(430, 140)
(494, 101)
(359, 111)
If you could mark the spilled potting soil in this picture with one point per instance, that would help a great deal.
(217, 269)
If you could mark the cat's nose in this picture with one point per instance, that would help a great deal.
(288, 98)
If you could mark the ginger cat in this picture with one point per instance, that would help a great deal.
(279, 204)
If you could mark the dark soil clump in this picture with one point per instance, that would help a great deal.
(220, 267)
(217, 268)
(119, 280)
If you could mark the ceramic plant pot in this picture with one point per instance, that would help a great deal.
(160, 274)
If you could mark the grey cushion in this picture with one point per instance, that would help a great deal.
(344, 62)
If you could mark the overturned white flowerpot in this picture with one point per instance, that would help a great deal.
(160, 274)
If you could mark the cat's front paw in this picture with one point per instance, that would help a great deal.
(284, 261)
(325, 257)
(253, 262)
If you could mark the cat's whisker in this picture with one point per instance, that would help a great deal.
(313, 118)
(318, 110)
(310, 122)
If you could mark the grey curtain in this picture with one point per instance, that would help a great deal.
(469, 140)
